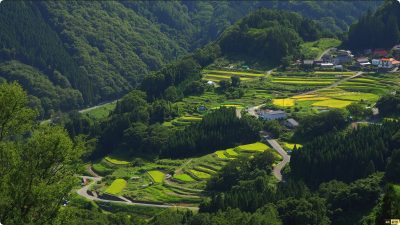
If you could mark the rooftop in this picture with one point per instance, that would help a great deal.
(293, 122)
(273, 112)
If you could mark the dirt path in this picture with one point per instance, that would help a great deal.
(334, 84)
(323, 53)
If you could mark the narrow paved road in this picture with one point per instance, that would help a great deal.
(82, 110)
(95, 107)
(277, 171)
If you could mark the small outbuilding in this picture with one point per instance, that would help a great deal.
(291, 123)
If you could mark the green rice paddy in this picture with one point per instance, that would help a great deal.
(183, 177)
(116, 187)
(255, 147)
(218, 75)
(156, 175)
(116, 161)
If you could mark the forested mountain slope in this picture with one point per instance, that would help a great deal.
(377, 30)
(104, 48)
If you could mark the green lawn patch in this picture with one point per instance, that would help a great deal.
(313, 49)
(101, 112)
(116, 187)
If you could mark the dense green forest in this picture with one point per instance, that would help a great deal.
(268, 35)
(376, 30)
(104, 48)
(339, 156)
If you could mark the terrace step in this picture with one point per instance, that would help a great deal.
(169, 183)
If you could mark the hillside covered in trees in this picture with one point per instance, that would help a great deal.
(376, 30)
(102, 49)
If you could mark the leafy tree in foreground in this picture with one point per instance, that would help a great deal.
(37, 163)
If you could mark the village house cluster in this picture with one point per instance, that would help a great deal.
(368, 59)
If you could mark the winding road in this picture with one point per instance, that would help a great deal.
(277, 171)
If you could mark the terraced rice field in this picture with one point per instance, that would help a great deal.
(255, 147)
(218, 75)
(156, 175)
(338, 97)
(334, 73)
(185, 186)
(116, 187)
(332, 103)
(286, 102)
(200, 174)
(228, 106)
(183, 121)
(291, 146)
(183, 177)
(303, 81)
(116, 161)
(231, 152)
(221, 154)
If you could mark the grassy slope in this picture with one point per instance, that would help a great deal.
(311, 50)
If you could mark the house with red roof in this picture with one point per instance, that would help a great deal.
(380, 53)
(386, 63)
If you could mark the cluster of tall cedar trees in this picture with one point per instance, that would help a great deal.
(346, 157)
(218, 130)
(268, 35)
(376, 30)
